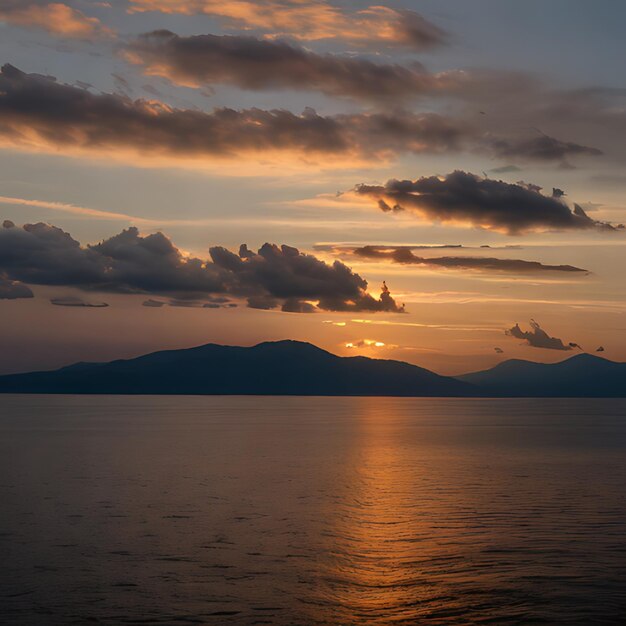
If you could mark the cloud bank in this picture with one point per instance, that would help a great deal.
(464, 198)
(39, 113)
(313, 20)
(255, 64)
(273, 277)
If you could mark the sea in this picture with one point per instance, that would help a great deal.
(307, 510)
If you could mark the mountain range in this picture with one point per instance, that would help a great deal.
(297, 368)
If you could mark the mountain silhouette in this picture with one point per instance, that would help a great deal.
(583, 375)
(272, 368)
(298, 368)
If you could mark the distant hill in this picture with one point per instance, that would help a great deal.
(273, 368)
(297, 368)
(583, 375)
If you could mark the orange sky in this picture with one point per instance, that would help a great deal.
(255, 122)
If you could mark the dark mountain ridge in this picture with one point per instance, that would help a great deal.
(271, 368)
(583, 375)
(297, 368)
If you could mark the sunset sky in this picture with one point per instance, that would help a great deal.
(236, 172)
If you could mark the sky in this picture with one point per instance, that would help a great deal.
(438, 182)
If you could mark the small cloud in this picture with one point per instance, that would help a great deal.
(366, 343)
(153, 303)
(499, 350)
(600, 349)
(77, 302)
(537, 337)
(506, 169)
(14, 290)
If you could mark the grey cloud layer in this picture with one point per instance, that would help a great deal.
(130, 263)
(38, 113)
(38, 110)
(461, 197)
(252, 63)
(405, 256)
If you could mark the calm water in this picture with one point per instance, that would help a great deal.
(168, 510)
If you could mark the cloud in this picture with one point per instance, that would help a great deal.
(135, 264)
(40, 114)
(405, 256)
(541, 148)
(312, 20)
(69, 208)
(155, 304)
(464, 198)
(506, 169)
(283, 273)
(54, 17)
(78, 302)
(366, 343)
(537, 337)
(14, 290)
(257, 64)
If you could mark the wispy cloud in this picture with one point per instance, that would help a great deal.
(57, 18)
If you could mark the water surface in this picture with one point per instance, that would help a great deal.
(250, 510)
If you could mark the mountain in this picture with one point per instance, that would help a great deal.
(272, 368)
(583, 375)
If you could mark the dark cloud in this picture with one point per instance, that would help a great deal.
(286, 274)
(499, 350)
(405, 256)
(122, 86)
(131, 263)
(39, 113)
(537, 337)
(540, 148)
(155, 304)
(78, 302)
(600, 349)
(13, 290)
(256, 64)
(461, 197)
